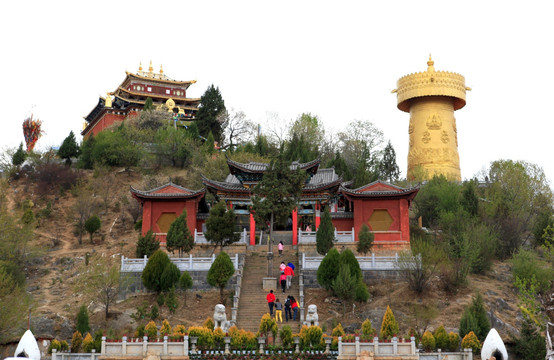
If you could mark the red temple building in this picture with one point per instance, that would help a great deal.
(130, 96)
(381, 206)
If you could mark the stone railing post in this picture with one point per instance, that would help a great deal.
(297, 344)
(186, 345)
(373, 260)
(93, 354)
(165, 345)
(301, 318)
(468, 354)
(193, 340)
(145, 260)
(340, 346)
(395, 346)
(328, 342)
(227, 340)
(376, 345)
(353, 236)
(236, 262)
(195, 235)
(299, 235)
(303, 261)
(335, 233)
(413, 345)
(124, 345)
(357, 339)
(103, 346)
(54, 354)
(234, 311)
(144, 345)
(190, 262)
(396, 258)
(261, 341)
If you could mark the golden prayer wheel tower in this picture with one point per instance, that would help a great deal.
(431, 97)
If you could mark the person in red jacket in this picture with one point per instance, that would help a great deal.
(283, 280)
(270, 301)
(294, 307)
(289, 273)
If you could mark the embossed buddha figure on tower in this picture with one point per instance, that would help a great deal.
(431, 97)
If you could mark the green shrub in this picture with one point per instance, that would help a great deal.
(166, 328)
(160, 299)
(475, 319)
(530, 344)
(362, 293)
(348, 257)
(325, 235)
(139, 331)
(205, 336)
(209, 323)
(441, 338)
(453, 341)
(338, 331)
(467, 322)
(179, 330)
(310, 336)
(218, 338)
(64, 346)
(365, 240)
(428, 341)
(155, 312)
(152, 273)
(327, 271)
(367, 329)
(82, 320)
(54, 344)
(286, 336)
(526, 265)
(470, 341)
(147, 244)
(171, 301)
(151, 330)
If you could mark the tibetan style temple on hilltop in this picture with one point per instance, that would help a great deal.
(130, 96)
(383, 207)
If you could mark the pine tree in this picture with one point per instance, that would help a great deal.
(82, 320)
(441, 338)
(86, 160)
(325, 235)
(531, 343)
(69, 148)
(220, 272)
(389, 326)
(467, 323)
(147, 244)
(344, 286)
(388, 168)
(178, 236)
(365, 240)
(19, 156)
(170, 277)
(220, 226)
(348, 257)
(327, 270)
(148, 104)
(152, 273)
(478, 310)
(211, 106)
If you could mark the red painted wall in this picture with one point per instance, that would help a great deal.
(398, 210)
(343, 224)
(153, 210)
(107, 120)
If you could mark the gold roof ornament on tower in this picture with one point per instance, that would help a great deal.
(161, 70)
(150, 68)
(140, 66)
(431, 97)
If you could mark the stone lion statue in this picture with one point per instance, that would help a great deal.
(220, 318)
(311, 317)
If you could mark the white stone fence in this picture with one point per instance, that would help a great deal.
(366, 262)
(184, 264)
(199, 237)
(308, 237)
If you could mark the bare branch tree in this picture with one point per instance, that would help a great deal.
(237, 129)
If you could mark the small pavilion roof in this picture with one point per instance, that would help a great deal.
(167, 191)
(380, 189)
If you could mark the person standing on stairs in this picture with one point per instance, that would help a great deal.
(294, 307)
(283, 281)
(280, 247)
(278, 311)
(289, 272)
(270, 301)
(288, 314)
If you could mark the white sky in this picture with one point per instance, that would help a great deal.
(336, 59)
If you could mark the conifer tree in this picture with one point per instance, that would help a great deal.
(86, 160)
(19, 156)
(467, 322)
(146, 245)
(211, 105)
(148, 104)
(178, 236)
(220, 226)
(348, 257)
(170, 277)
(365, 240)
(388, 168)
(82, 320)
(441, 338)
(478, 310)
(185, 283)
(344, 285)
(152, 273)
(325, 234)
(327, 270)
(220, 272)
(69, 148)
(389, 326)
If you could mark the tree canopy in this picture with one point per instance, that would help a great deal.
(179, 236)
(211, 106)
(220, 272)
(220, 226)
(69, 148)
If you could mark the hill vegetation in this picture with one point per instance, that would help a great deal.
(470, 230)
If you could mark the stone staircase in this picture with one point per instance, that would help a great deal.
(253, 303)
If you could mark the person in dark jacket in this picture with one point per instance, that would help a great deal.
(288, 314)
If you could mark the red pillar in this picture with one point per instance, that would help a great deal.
(252, 230)
(317, 215)
(295, 227)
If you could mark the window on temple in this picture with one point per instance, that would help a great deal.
(167, 91)
(165, 220)
(380, 220)
(149, 89)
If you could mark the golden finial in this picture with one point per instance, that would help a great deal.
(150, 68)
(161, 70)
(430, 64)
(140, 66)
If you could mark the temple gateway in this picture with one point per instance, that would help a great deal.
(381, 206)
